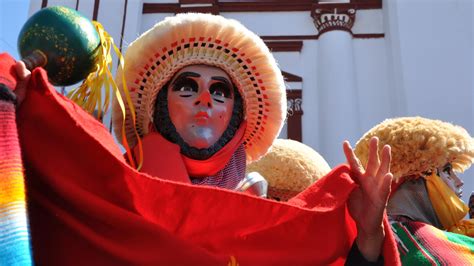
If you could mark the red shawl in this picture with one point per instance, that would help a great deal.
(87, 206)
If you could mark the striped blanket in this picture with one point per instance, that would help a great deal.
(423, 244)
(14, 236)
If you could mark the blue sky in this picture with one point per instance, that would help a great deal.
(13, 14)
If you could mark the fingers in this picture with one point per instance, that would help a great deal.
(21, 70)
(373, 160)
(385, 162)
(385, 187)
(351, 158)
(23, 77)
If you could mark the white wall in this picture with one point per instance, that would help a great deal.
(372, 82)
(148, 20)
(310, 119)
(431, 58)
(275, 23)
(368, 21)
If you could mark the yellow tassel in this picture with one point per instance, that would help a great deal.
(463, 227)
(89, 94)
(448, 206)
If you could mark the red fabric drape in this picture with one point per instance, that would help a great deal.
(87, 206)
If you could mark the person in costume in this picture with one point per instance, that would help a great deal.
(425, 204)
(289, 167)
(208, 92)
(207, 98)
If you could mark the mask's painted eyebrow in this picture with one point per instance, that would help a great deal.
(222, 79)
(187, 74)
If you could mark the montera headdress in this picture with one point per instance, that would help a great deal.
(190, 39)
(420, 145)
(289, 168)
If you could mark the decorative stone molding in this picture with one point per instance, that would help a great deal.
(294, 105)
(291, 77)
(294, 101)
(316, 37)
(170, 6)
(284, 46)
(295, 113)
(328, 19)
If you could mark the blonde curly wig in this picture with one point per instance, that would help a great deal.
(289, 167)
(420, 145)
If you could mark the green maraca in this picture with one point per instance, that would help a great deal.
(62, 41)
(72, 48)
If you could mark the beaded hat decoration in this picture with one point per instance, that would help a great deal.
(420, 145)
(289, 168)
(190, 39)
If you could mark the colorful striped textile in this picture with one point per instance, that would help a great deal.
(14, 235)
(423, 244)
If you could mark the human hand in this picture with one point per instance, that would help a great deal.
(23, 77)
(368, 201)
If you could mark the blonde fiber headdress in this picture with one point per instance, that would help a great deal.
(289, 168)
(189, 39)
(420, 145)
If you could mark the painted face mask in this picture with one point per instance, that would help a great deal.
(200, 103)
(451, 179)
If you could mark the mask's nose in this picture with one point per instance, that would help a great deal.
(204, 99)
(457, 181)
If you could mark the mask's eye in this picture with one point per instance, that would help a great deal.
(448, 169)
(185, 87)
(220, 91)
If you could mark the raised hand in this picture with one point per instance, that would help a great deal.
(368, 201)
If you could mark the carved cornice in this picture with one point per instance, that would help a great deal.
(328, 19)
(284, 46)
(315, 37)
(218, 6)
(295, 112)
(294, 106)
(291, 77)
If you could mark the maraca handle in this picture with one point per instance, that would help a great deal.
(35, 59)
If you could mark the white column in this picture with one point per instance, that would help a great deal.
(336, 84)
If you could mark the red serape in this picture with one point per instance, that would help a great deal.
(87, 206)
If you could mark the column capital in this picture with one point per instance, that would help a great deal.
(328, 19)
